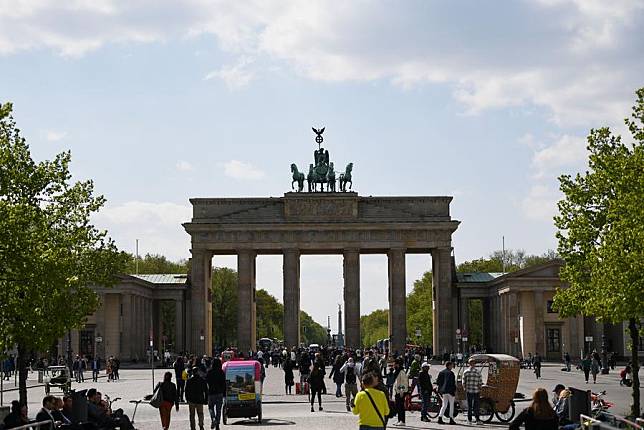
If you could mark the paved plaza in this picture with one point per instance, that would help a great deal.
(293, 412)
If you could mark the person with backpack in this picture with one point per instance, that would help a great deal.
(179, 368)
(196, 396)
(350, 382)
(371, 405)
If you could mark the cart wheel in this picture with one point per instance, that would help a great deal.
(506, 417)
(486, 410)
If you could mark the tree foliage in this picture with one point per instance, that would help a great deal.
(419, 310)
(50, 253)
(154, 263)
(224, 306)
(514, 260)
(374, 327)
(601, 233)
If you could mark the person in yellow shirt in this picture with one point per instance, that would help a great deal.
(371, 404)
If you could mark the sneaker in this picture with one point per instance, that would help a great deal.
(440, 420)
(452, 422)
(312, 410)
(348, 408)
(320, 408)
(479, 422)
(425, 419)
(212, 425)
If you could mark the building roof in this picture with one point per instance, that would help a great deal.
(164, 278)
(477, 277)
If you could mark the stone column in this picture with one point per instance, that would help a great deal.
(464, 315)
(126, 327)
(487, 322)
(397, 301)
(503, 310)
(540, 330)
(201, 309)
(179, 331)
(352, 298)
(291, 272)
(444, 302)
(246, 316)
(514, 323)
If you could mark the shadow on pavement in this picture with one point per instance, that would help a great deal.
(265, 422)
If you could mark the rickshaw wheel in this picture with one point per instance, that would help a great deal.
(486, 410)
(435, 403)
(506, 417)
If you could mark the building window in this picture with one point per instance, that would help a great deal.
(553, 339)
(87, 342)
(549, 307)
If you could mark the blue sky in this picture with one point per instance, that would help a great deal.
(161, 101)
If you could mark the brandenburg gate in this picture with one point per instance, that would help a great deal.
(315, 222)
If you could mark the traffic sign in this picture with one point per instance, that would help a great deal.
(458, 336)
(589, 338)
(98, 339)
(465, 339)
(458, 331)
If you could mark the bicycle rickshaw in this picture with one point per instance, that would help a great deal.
(500, 374)
(59, 379)
(243, 397)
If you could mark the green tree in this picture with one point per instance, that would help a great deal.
(154, 263)
(419, 310)
(310, 331)
(224, 306)
(374, 327)
(270, 313)
(50, 253)
(514, 260)
(601, 234)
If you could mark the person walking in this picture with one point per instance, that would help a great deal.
(586, 363)
(96, 368)
(371, 404)
(472, 382)
(350, 383)
(216, 380)
(316, 382)
(179, 366)
(401, 387)
(425, 390)
(594, 367)
(446, 382)
(337, 375)
(538, 416)
(289, 378)
(170, 398)
(567, 361)
(196, 396)
(536, 363)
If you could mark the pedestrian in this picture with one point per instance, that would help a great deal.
(567, 361)
(586, 364)
(594, 367)
(169, 398)
(538, 416)
(425, 390)
(390, 379)
(216, 380)
(338, 375)
(289, 378)
(350, 383)
(446, 382)
(401, 387)
(196, 396)
(472, 382)
(179, 367)
(371, 405)
(316, 382)
(536, 364)
(414, 370)
(96, 368)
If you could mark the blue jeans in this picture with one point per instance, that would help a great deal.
(338, 389)
(472, 405)
(215, 402)
(425, 397)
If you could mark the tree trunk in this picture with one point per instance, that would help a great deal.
(635, 341)
(22, 374)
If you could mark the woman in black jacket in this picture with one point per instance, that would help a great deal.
(538, 416)
(337, 375)
(216, 390)
(289, 378)
(170, 398)
(316, 381)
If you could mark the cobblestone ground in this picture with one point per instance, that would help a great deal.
(293, 412)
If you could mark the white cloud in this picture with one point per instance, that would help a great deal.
(55, 136)
(236, 76)
(184, 166)
(580, 60)
(567, 152)
(540, 204)
(156, 225)
(239, 170)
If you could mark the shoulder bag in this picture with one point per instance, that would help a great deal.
(384, 423)
(157, 397)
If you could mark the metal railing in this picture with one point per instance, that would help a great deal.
(609, 422)
(29, 426)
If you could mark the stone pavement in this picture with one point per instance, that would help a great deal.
(293, 412)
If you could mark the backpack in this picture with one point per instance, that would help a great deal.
(351, 375)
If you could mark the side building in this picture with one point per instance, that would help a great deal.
(518, 318)
(132, 312)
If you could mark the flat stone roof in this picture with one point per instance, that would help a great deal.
(164, 278)
(477, 277)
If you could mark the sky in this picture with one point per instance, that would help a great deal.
(160, 101)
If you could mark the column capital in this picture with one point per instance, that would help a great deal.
(291, 251)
